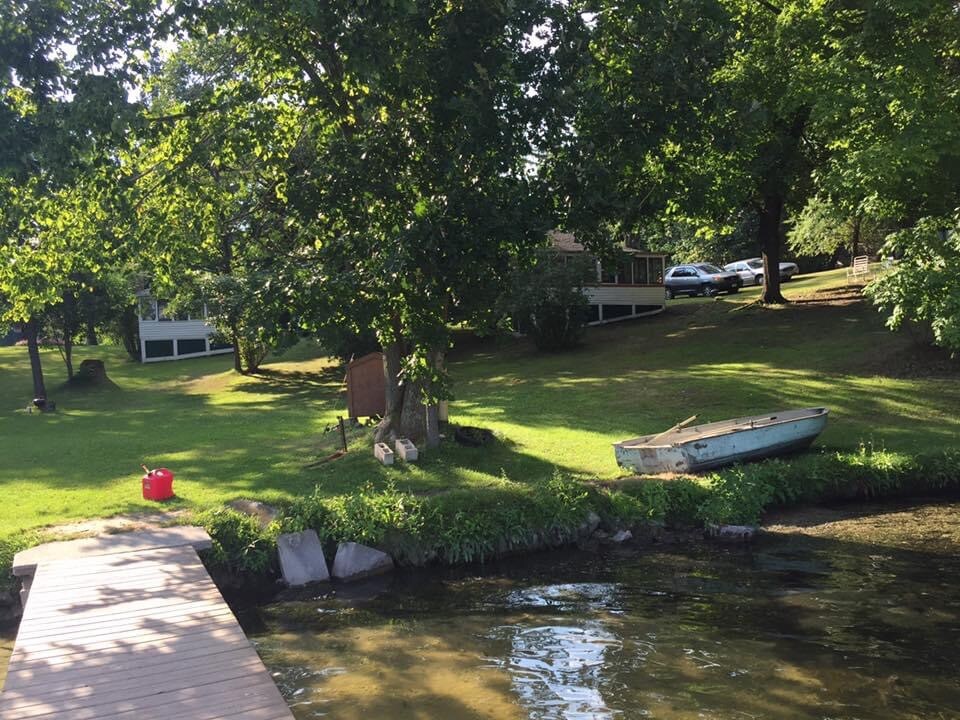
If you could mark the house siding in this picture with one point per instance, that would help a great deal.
(610, 303)
(158, 333)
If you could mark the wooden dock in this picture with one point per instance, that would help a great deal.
(140, 634)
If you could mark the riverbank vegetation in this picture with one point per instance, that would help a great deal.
(470, 526)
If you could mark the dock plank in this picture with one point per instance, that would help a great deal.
(142, 634)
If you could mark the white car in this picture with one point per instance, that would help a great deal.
(751, 271)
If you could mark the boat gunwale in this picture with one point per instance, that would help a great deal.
(814, 412)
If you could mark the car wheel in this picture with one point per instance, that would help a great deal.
(758, 279)
(734, 289)
(708, 290)
(669, 293)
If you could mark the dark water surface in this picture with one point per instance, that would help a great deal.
(787, 627)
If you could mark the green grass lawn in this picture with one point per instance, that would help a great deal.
(227, 436)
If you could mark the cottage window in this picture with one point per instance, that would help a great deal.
(191, 346)
(641, 275)
(158, 348)
(656, 271)
(148, 309)
(624, 274)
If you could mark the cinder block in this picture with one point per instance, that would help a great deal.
(383, 453)
(406, 450)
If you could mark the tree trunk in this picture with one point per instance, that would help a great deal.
(237, 360)
(770, 242)
(855, 239)
(389, 428)
(405, 415)
(31, 330)
(68, 355)
(432, 429)
(129, 327)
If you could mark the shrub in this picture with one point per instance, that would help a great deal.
(365, 516)
(240, 546)
(547, 301)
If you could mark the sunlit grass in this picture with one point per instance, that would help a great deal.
(227, 436)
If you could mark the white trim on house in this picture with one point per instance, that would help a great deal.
(156, 328)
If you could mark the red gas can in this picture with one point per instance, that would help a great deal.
(157, 484)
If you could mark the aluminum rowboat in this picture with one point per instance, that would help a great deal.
(702, 447)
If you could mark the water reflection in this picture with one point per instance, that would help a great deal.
(556, 671)
(798, 627)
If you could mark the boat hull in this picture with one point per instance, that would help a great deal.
(706, 447)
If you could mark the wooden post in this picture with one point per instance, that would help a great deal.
(343, 433)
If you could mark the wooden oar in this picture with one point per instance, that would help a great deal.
(678, 426)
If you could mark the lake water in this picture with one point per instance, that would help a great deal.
(790, 626)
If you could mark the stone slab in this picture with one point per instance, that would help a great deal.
(25, 562)
(301, 558)
(355, 561)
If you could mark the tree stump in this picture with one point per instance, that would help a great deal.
(92, 372)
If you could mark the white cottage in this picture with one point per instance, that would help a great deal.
(634, 288)
(164, 336)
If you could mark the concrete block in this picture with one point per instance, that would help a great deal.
(406, 450)
(355, 561)
(383, 453)
(301, 558)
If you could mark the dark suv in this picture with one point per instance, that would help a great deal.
(700, 279)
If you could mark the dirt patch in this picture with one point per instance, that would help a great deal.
(115, 524)
(914, 360)
(837, 297)
(933, 525)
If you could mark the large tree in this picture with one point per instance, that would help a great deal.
(411, 192)
(702, 111)
(64, 74)
(208, 174)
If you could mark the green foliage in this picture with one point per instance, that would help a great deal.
(741, 494)
(647, 502)
(367, 515)
(923, 286)
(823, 228)
(547, 300)
(10, 545)
(240, 546)
(456, 526)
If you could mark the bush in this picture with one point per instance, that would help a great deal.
(547, 301)
(240, 546)
(922, 287)
(364, 517)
